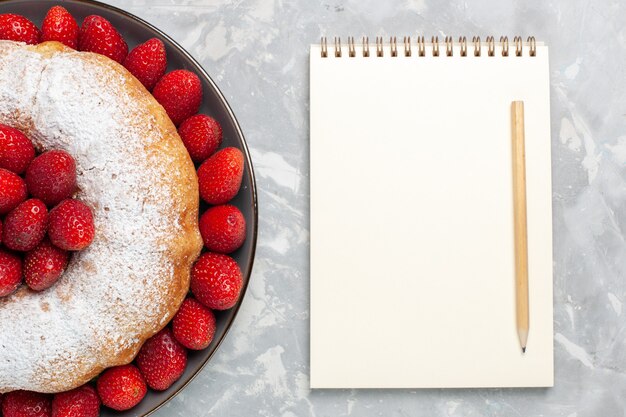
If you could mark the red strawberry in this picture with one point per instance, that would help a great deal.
(12, 191)
(51, 177)
(71, 225)
(147, 62)
(14, 27)
(202, 135)
(25, 226)
(59, 25)
(44, 265)
(121, 387)
(162, 360)
(220, 176)
(216, 281)
(194, 325)
(98, 35)
(79, 402)
(26, 404)
(10, 272)
(16, 150)
(223, 228)
(180, 94)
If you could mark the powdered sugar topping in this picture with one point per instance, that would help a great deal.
(112, 290)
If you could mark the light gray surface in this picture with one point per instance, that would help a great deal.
(257, 51)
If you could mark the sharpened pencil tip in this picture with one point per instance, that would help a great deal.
(524, 349)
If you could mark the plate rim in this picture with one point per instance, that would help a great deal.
(248, 164)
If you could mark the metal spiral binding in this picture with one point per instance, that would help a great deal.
(449, 46)
(463, 43)
(421, 46)
(394, 46)
(351, 48)
(518, 45)
(434, 46)
(435, 43)
(337, 47)
(476, 41)
(504, 42)
(491, 47)
(532, 46)
(379, 46)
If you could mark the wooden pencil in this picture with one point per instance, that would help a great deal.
(521, 232)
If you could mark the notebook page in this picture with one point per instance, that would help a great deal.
(412, 256)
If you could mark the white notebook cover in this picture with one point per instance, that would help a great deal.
(412, 257)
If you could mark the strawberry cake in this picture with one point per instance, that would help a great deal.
(135, 174)
(104, 158)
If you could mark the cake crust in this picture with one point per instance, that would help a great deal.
(136, 175)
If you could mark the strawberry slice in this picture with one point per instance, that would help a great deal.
(12, 191)
(162, 360)
(71, 225)
(79, 402)
(51, 177)
(219, 177)
(14, 27)
(16, 150)
(180, 94)
(202, 135)
(10, 272)
(121, 387)
(194, 325)
(216, 281)
(26, 404)
(147, 62)
(98, 35)
(44, 265)
(25, 226)
(59, 25)
(223, 228)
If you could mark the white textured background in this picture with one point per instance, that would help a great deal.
(257, 51)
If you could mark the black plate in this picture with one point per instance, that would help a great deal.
(137, 31)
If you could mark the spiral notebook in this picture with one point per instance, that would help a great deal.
(412, 245)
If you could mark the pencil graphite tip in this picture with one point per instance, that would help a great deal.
(524, 349)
